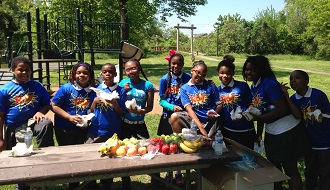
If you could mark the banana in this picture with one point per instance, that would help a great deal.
(102, 148)
(189, 144)
(196, 142)
(186, 149)
(200, 143)
(110, 146)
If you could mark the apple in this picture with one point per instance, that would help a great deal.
(131, 151)
(121, 151)
(173, 148)
(142, 150)
(165, 149)
(158, 147)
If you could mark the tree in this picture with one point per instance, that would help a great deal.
(314, 30)
(230, 31)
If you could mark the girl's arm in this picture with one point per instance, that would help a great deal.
(281, 109)
(193, 116)
(165, 104)
(294, 110)
(59, 111)
(260, 130)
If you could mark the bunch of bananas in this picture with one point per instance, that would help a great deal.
(190, 146)
(110, 146)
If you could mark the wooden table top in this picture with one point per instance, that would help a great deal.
(54, 165)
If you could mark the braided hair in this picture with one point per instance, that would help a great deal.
(169, 73)
(73, 72)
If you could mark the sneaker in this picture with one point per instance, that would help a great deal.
(179, 181)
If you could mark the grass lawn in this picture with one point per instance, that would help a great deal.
(156, 66)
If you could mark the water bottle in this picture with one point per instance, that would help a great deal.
(218, 146)
(193, 127)
(28, 137)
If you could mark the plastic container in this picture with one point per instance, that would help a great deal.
(218, 144)
(193, 127)
(28, 136)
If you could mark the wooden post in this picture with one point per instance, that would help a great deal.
(192, 38)
(177, 37)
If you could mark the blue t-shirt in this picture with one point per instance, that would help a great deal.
(20, 101)
(202, 98)
(235, 94)
(264, 93)
(318, 133)
(140, 93)
(176, 83)
(106, 121)
(74, 102)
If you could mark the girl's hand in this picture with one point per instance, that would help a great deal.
(135, 110)
(259, 139)
(285, 89)
(127, 86)
(75, 119)
(38, 117)
(97, 100)
(177, 108)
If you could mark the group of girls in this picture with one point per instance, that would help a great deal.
(76, 98)
(189, 96)
(288, 131)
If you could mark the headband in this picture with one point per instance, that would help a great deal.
(83, 64)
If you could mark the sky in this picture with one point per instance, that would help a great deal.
(207, 15)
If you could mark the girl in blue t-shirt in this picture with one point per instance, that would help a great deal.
(133, 120)
(143, 93)
(285, 138)
(73, 99)
(303, 104)
(197, 97)
(235, 94)
(169, 91)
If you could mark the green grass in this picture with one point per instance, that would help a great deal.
(155, 66)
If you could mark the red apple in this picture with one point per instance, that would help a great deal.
(165, 149)
(173, 148)
(159, 147)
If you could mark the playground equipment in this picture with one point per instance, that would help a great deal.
(65, 42)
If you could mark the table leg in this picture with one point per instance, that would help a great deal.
(188, 180)
(199, 179)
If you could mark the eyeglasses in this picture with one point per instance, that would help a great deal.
(130, 69)
(200, 73)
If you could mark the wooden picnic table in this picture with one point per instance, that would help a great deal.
(64, 164)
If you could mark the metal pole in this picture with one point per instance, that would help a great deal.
(29, 40)
(177, 37)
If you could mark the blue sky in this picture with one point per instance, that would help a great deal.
(207, 15)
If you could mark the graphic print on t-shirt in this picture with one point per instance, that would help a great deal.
(229, 100)
(80, 102)
(104, 106)
(309, 108)
(199, 99)
(257, 100)
(24, 100)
